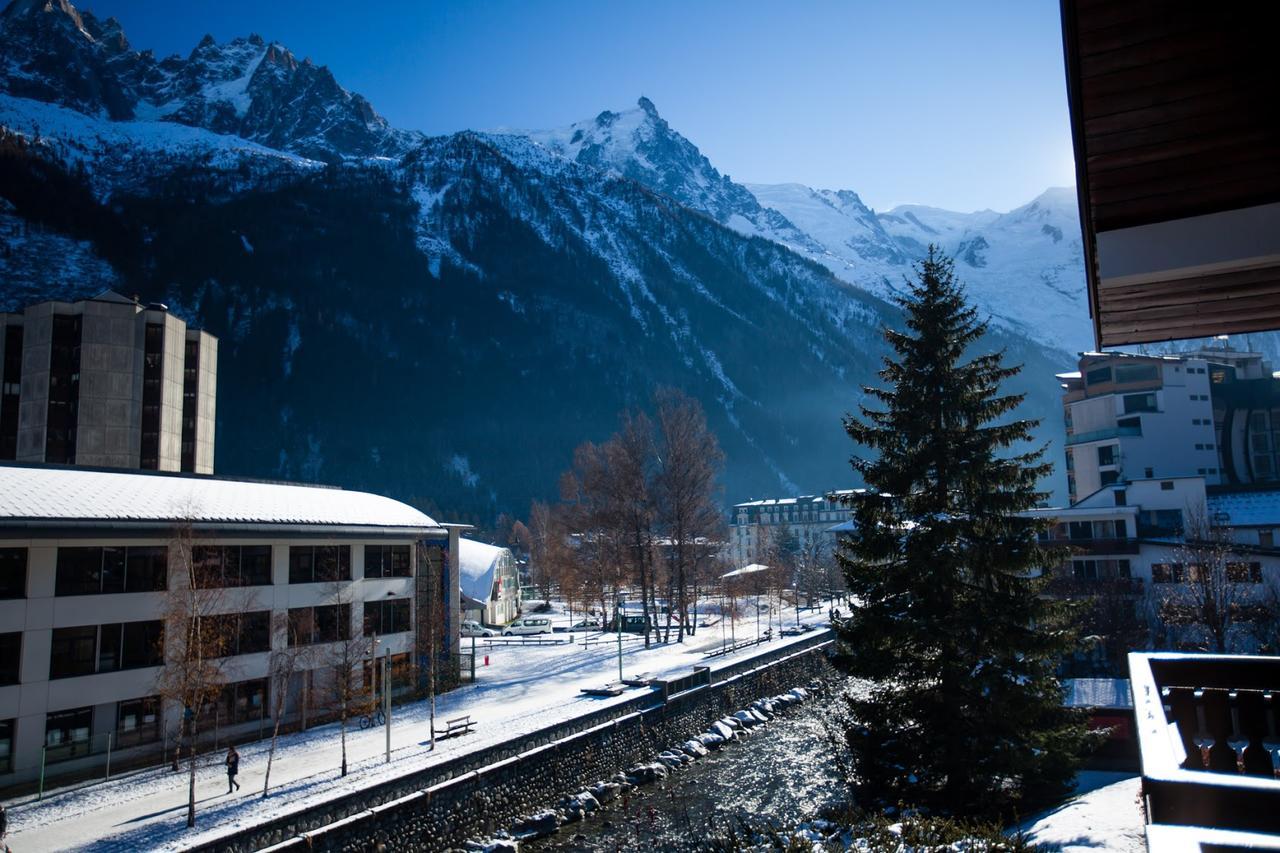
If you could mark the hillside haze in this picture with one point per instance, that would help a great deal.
(443, 319)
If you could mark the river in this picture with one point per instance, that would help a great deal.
(780, 773)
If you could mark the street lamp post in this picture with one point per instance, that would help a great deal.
(618, 619)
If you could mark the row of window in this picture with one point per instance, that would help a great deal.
(1123, 373)
(69, 734)
(1191, 573)
(330, 623)
(145, 568)
(1093, 570)
(90, 649)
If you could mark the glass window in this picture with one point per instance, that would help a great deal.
(1244, 572)
(387, 561)
(89, 571)
(113, 569)
(1107, 454)
(66, 733)
(6, 745)
(13, 572)
(1109, 477)
(1098, 375)
(138, 721)
(319, 563)
(302, 564)
(332, 622)
(147, 568)
(10, 657)
(109, 647)
(301, 626)
(333, 563)
(1266, 538)
(1139, 403)
(255, 565)
(142, 644)
(1136, 372)
(254, 632)
(79, 571)
(232, 565)
(73, 651)
(1130, 424)
(386, 617)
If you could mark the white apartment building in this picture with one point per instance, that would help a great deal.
(88, 560)
(1158, 446)
(757, 526)
(1212, 413)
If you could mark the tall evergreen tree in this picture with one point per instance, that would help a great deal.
(962, 709)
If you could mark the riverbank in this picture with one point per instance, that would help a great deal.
(522, 692)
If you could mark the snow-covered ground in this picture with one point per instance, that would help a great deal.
(1105, 814)
(522, 689)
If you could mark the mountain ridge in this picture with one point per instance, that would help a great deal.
(546, 282)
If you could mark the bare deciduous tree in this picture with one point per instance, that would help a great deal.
(1210, 586)
(195, 645)
(687, 467)
(284, 662)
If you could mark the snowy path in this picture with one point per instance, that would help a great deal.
(523, 689)
(1105, 814)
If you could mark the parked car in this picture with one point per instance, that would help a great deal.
(589, 624)
(472, 628)
(528, 625)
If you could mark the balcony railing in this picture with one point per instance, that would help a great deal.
(1103, 434)
(1095, 547)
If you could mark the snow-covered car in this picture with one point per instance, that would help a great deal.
(472, 628)
(528, 625)
(588, 624)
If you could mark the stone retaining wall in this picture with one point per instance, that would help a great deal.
(478, 793)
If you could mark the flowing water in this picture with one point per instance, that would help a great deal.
(781, 773)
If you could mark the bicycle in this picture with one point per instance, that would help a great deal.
(375, 718)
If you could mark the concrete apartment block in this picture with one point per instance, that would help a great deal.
(106, 382)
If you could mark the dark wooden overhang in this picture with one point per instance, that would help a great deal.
(1175, 114)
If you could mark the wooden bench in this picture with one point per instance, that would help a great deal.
(454, 727)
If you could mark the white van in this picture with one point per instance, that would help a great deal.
(528, 625)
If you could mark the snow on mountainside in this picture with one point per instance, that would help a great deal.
(639, 144)
(561, 274)
(56, 53)
(1024, 268)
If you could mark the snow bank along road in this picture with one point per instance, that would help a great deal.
(523, 689)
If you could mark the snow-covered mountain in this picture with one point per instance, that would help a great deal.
(260, 92)
(395, 309)
(1024, 268)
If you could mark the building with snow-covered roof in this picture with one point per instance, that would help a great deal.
(90, 560)
(108, 382)
(759, 526)
(488, 575)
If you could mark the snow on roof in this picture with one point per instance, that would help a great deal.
(1098, 693)
(1245, 509)
(35, 494)
(745, 570)
(477, 562)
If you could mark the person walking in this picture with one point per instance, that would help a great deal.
(233, 767)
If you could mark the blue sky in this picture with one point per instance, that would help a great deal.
(957, 105)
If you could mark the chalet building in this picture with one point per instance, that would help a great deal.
(107, 382)
(90, 560)
(489, 578)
